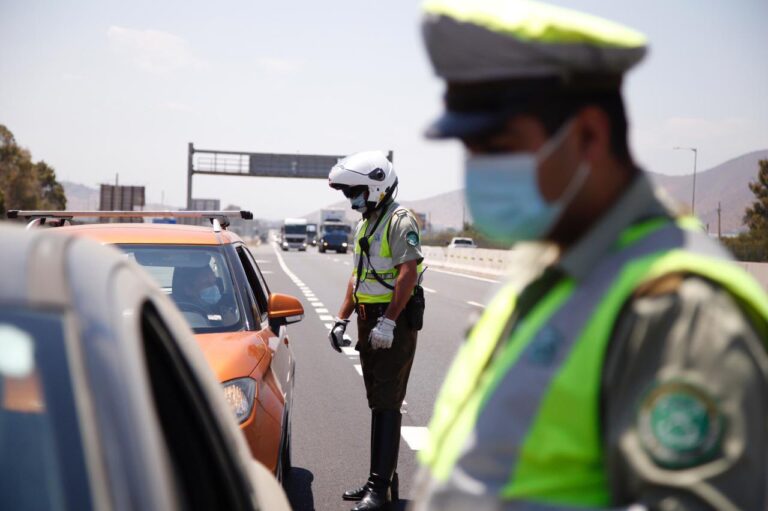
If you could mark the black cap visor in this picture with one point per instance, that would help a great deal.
(466, 125)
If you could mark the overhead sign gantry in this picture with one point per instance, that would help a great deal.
(237, 163)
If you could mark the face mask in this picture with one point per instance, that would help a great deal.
(503, 195)
(210, 295)
(358, 203)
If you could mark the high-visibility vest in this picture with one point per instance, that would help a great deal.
(370, 290)
(522, 414)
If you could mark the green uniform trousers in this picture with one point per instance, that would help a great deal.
(385, 371)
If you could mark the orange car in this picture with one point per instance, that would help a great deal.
(239, 324)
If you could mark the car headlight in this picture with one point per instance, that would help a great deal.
(240, 395)
(344, 244)
(325, 243)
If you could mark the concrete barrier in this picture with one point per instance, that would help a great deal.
(497, 263)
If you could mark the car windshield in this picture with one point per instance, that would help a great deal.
(336, 229)
(41, 454)
(295, 229)
(199, 281)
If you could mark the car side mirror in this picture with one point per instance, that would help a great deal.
(284, 310)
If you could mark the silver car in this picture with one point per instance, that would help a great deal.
(106, 401)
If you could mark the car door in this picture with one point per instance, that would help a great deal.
(212, 467)
(282, 362)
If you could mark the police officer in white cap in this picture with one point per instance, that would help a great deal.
(384, 291)
(628, 372)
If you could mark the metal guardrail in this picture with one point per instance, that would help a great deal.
(500, 264)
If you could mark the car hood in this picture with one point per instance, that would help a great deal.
(232, 354)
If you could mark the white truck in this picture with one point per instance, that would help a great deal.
(293, 234)
(334, 232)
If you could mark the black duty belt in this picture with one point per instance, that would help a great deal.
(371, 310)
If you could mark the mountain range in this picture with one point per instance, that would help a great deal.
(725, 184)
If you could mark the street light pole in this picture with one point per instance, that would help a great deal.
(695, 157)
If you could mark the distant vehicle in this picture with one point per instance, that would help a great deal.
(334, 232)
(239, 324)
(293, 234)
(312, 234)
(107, 401)
(462, 243)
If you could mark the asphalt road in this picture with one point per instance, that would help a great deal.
(331, 419)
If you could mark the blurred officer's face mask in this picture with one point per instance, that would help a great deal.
(504, 198)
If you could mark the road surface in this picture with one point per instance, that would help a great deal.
(331, 420)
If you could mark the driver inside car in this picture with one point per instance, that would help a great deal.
(196, 290)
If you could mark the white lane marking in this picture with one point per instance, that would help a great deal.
(346, 263)
(267, 272)
(428, 290)
(473, 277)
(285, 268)
(359, 369)
(322, 311)
(329, 326)
(313, 300)
(335, 259)
(477, 304)
(325, 317)
(350, 351)
(263, 261)
(416, 437)
(317, 304)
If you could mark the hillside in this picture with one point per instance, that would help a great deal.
(80, 197)
(726, 183)
(443, 211)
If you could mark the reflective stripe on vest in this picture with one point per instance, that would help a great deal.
(521, 422)
(369, 289)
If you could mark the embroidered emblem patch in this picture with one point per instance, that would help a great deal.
(680, 425)
(412, 238)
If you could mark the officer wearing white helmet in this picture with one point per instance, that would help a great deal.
(385, 293)
(629, 371)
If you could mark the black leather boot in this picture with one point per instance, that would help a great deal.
(359, 493)
(386, 445)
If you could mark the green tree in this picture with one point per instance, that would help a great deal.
(756, 216)
(51, 192)
(753, 244)
(23, 183)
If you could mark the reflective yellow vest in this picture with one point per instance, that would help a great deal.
(369, 289)
(522, 415)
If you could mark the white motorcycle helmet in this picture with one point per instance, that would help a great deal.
(370, 172)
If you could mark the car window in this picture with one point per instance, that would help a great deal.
(208, 474)
(255, 279)
(198, 279)
(41, 452)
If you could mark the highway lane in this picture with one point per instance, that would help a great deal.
(331, 419)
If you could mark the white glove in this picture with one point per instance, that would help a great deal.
(383, 334)
(336, 335)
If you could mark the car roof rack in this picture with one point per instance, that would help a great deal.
(219, 219)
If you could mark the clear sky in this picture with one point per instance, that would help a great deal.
(99, 87)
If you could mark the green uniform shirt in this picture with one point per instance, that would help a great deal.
(681, 328)
(404, 236)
